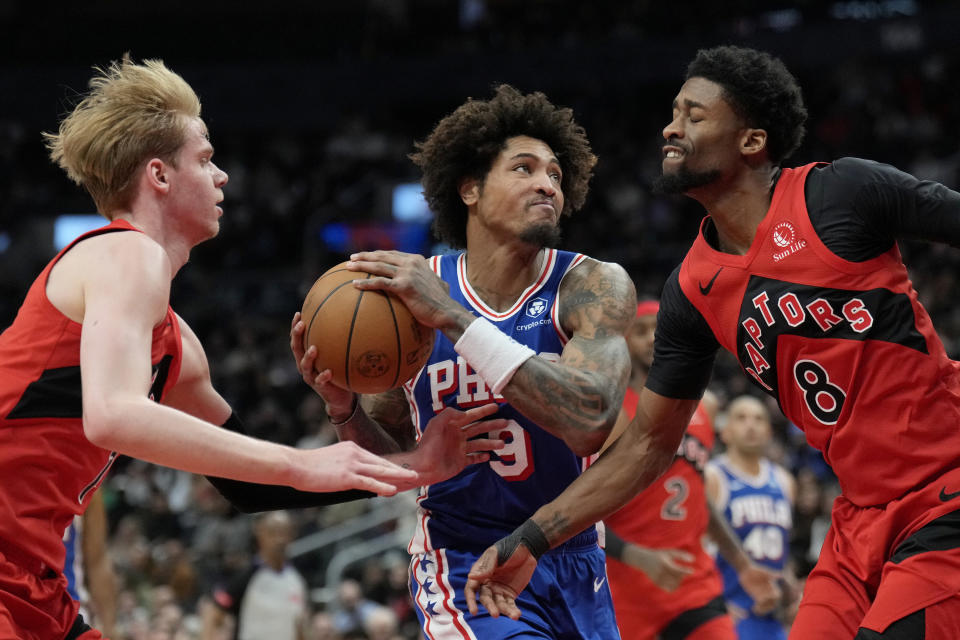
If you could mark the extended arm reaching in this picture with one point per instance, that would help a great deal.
(629, 465)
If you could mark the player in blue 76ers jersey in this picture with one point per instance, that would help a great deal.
(756, 497)
(537, 330)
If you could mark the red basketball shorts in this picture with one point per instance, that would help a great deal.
(880, 564)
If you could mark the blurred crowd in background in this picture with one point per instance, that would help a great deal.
(173, 539)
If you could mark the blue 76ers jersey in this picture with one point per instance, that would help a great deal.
(487, 501)
(761, 514)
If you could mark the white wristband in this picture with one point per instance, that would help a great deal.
(494, 355)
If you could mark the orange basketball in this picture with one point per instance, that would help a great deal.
(368, 339)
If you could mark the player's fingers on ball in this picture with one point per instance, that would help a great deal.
(370, 256)
(296, 339)
(307, 357)
(375, 283)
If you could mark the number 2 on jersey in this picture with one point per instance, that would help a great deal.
(673, 508)
(515, 461)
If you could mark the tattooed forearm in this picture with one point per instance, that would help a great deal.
(577, 399)
(556, 528)
(392, 411)
(381, 425)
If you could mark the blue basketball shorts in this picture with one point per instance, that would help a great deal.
(760, 628)
(568, 598)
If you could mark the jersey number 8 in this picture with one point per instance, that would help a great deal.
(823, 398)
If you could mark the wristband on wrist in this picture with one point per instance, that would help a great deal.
(615, 546)
(530, 535)
(494, 355)
(353, 414)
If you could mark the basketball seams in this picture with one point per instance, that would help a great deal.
(313, 317)
(364, 340)
(399, 342)
(353, 324)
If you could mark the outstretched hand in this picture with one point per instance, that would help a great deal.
(347, 465)
(497, 578)
(449, 443)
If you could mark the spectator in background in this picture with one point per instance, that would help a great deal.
(382, 624)
(353, 609)
(322, 627)
(270, 600)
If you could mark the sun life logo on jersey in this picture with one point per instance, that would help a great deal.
(784, 234)
(535, 307)
(785, 237)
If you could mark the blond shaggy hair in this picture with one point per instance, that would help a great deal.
(132, 113)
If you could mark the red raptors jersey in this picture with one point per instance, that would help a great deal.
(845, 347)
(48, 468)
(670, 513)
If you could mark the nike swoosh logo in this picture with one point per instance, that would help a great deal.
(706, 289)
(597, 583)
(947, 497)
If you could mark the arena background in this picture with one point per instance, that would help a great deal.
(313, 106)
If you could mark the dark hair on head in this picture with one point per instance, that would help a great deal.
(760, 90)
(465, 144)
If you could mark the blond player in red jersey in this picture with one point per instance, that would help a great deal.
(97, 363)
(664, 583)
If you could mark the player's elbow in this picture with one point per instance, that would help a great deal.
(586, 449)
(589, 439)
(105, 423)
(99, 428)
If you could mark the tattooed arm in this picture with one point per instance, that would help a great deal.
(576, 399)
(381, 423)
(579, 398)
